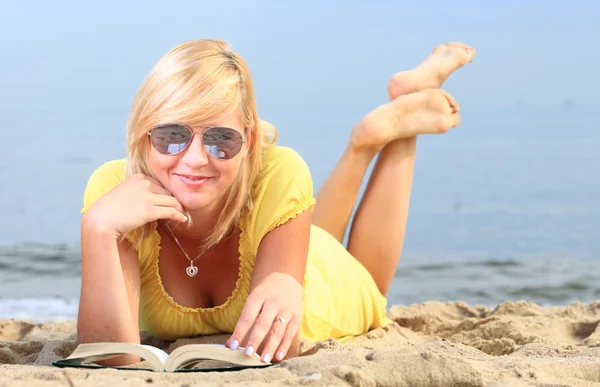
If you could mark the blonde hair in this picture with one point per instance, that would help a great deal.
(194, 83)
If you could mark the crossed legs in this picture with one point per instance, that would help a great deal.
(417, 106)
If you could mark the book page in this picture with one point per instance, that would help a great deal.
(192, 353)
(162, 355)
(92, 352)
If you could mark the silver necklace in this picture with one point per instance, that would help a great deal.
(190, 270)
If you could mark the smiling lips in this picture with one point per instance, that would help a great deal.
(192, 181)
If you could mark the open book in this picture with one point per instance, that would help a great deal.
(181, 359)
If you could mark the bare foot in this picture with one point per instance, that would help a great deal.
(429, 111)
(433, 72)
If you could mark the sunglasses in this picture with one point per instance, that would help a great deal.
(220, 142)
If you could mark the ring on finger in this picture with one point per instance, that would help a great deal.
(282, 320)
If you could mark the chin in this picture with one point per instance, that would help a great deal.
(194, 203)
(193, 199)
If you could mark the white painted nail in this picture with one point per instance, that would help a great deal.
(249, 351)
(280, 355)
(267, 358)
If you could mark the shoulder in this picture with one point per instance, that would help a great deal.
(281, 160)
(274, 152)
(103, 179)
(111, 170)
(282, 190)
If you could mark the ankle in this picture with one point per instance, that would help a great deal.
(361, 152)
(365, 141)
(400, 149)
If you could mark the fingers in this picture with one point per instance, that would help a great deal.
(160, 212)
(162, 203)
(167, 201)
(247, 318)
(151, 184)
(158, 189)
(281, 337)
(262, 326)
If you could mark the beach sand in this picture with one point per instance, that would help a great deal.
(430, 344)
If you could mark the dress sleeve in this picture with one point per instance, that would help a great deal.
(282, 190)
(104, 179)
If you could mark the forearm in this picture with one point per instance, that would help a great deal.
(272, 313)
(104, 309)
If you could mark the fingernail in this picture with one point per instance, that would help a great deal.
(267, 358)
(185, 217)
(249, 351)
(280, 355)
(234, 345)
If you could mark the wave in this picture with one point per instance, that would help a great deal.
(40, 259)
(39, 309)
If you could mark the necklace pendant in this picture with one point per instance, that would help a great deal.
(191, 270)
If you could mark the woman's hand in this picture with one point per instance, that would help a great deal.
(138, 200)
(271, 318)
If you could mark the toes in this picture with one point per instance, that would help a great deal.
(454, 106)
(464, 52)
(455, 119)
(469, 50)
(459, 44)
(447, 122)
(451, 119)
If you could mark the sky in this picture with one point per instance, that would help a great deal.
(66, 58)
(70, 69)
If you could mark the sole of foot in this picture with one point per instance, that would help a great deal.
(429, 111)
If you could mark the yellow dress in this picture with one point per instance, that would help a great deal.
(341, 298)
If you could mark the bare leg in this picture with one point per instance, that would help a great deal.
(337, 196)
(378, 228)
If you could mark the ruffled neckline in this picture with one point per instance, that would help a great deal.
(242, 257)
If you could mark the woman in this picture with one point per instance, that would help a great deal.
(206, 226)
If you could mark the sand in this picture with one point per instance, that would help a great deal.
(430, 344)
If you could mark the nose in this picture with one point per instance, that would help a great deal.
(195, 156)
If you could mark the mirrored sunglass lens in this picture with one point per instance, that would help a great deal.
(222, 143)
(170, 139)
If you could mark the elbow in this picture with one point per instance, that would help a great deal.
(89, 335)
(97, 332)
